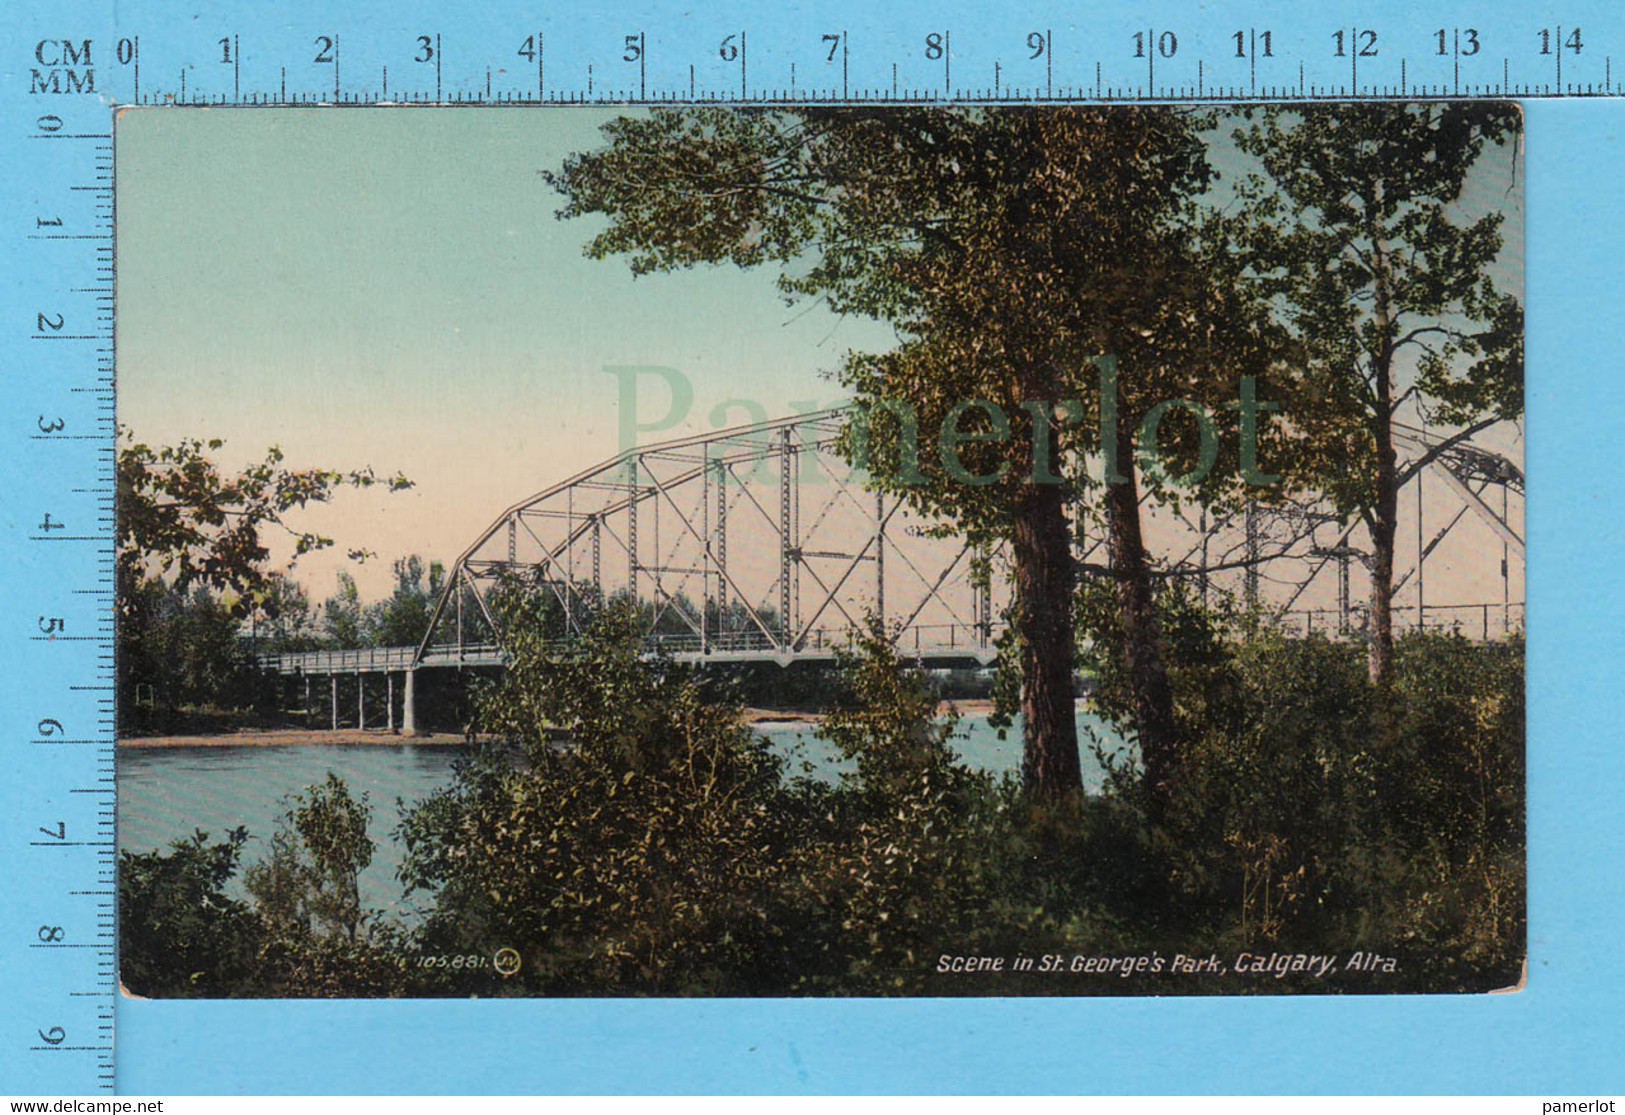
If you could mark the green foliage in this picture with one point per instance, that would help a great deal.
(181, 517)
(403, 619)
(179, 648)
(620, 827)
(1357, 235)
(344, 621)
(625, 835)
(1198, 642)
(196, 591)
(1461, 750)
(1275, 816)
(288, 622)
(1010, 249)
(556, 609)
(310, 884)
(1290, 826)
(692, 209)
(180, 935)
(630, 836)
(400, 620)
(1358, 238)
(897, 860)
(885, 720)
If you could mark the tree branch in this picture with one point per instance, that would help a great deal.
(1443, 447)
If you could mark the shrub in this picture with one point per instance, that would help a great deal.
(180, 934)
(311, 882)
(626, 835)
(900, 866)
(1304, 816)
(303, 935)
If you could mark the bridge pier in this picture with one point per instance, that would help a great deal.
(360, 701)
(389, 701)
(334, 679)
(409, 720)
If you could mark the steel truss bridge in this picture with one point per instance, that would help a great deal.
(761, 543)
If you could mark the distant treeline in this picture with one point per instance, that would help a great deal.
(187, 656)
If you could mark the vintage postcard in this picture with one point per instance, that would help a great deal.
(820, 551)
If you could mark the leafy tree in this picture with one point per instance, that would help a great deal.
(181, 517)
(528, 602)
(311, 882)
(643, 855)
(289, 622)
(1192, 331)
(398, 620)
(658, 847)
(885, 719)
(180, 647)
(403, 619)
(1357, 236)
(1009, 249)
(1459, 731)
(1288, 825)
(655, 846)
(180, 934)
(344, 619)
(193, 565)
(910, 855)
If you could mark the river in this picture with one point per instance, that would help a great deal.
(166, 793)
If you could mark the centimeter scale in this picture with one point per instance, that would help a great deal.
(67, 77)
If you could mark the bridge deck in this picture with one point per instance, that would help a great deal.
(380, 660)
(940, 647)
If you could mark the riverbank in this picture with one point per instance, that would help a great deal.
(296, 737)
(382, 737)
(975, 706)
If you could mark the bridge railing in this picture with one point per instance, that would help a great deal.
(1483, 622)
(374, 660)
(358, 660)
(820, 642)
(826, 640)
(1474, 621)
(469, 654)
(949, 636)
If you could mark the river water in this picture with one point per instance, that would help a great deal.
(167, 793)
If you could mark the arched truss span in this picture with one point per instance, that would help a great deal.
(753, 543)
(761, 542)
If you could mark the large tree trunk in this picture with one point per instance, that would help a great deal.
(1044, 584)
(1384, 521)
(1142, 634)
(1384, 524)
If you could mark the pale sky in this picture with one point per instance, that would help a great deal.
(390, 287)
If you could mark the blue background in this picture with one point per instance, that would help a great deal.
(1562, 1034)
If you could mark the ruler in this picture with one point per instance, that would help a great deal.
(57, 918)
(1200, 57)
(69, 68)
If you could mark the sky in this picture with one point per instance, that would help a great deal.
(391, 288)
